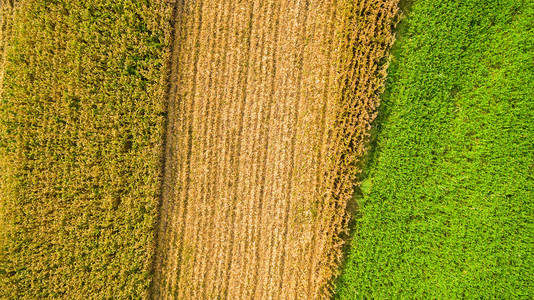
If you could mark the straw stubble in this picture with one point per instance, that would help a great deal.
(270, 106)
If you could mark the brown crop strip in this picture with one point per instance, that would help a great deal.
(270, 109)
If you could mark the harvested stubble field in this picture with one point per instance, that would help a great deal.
(270, 107)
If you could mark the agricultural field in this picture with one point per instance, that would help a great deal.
(447, 199)
(266, 149)
(270, 106)
(82, 111)
(245, 119)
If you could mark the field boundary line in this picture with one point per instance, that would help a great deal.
(169, 97)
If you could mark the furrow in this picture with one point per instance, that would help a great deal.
(206, 66)
(244, 29)
(207, 258)
(289, 234)
(268, 71)
(256, 125)
(175, 169)
(307, 142)
(183, 247)
(230, 151)
(163, 246)
(256, 87)
(280, 123)
(236, 270)
(321, 193)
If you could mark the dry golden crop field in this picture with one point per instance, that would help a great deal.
(270, 107)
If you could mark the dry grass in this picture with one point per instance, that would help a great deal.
(270, 110)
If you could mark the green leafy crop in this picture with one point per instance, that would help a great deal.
(449, 213)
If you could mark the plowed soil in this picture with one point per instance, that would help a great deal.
(270, 106)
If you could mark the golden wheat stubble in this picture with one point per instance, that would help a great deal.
(273, 104)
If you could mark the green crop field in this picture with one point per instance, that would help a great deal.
(447, 202)
(81, 119)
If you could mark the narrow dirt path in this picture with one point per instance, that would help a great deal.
(269, 110)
